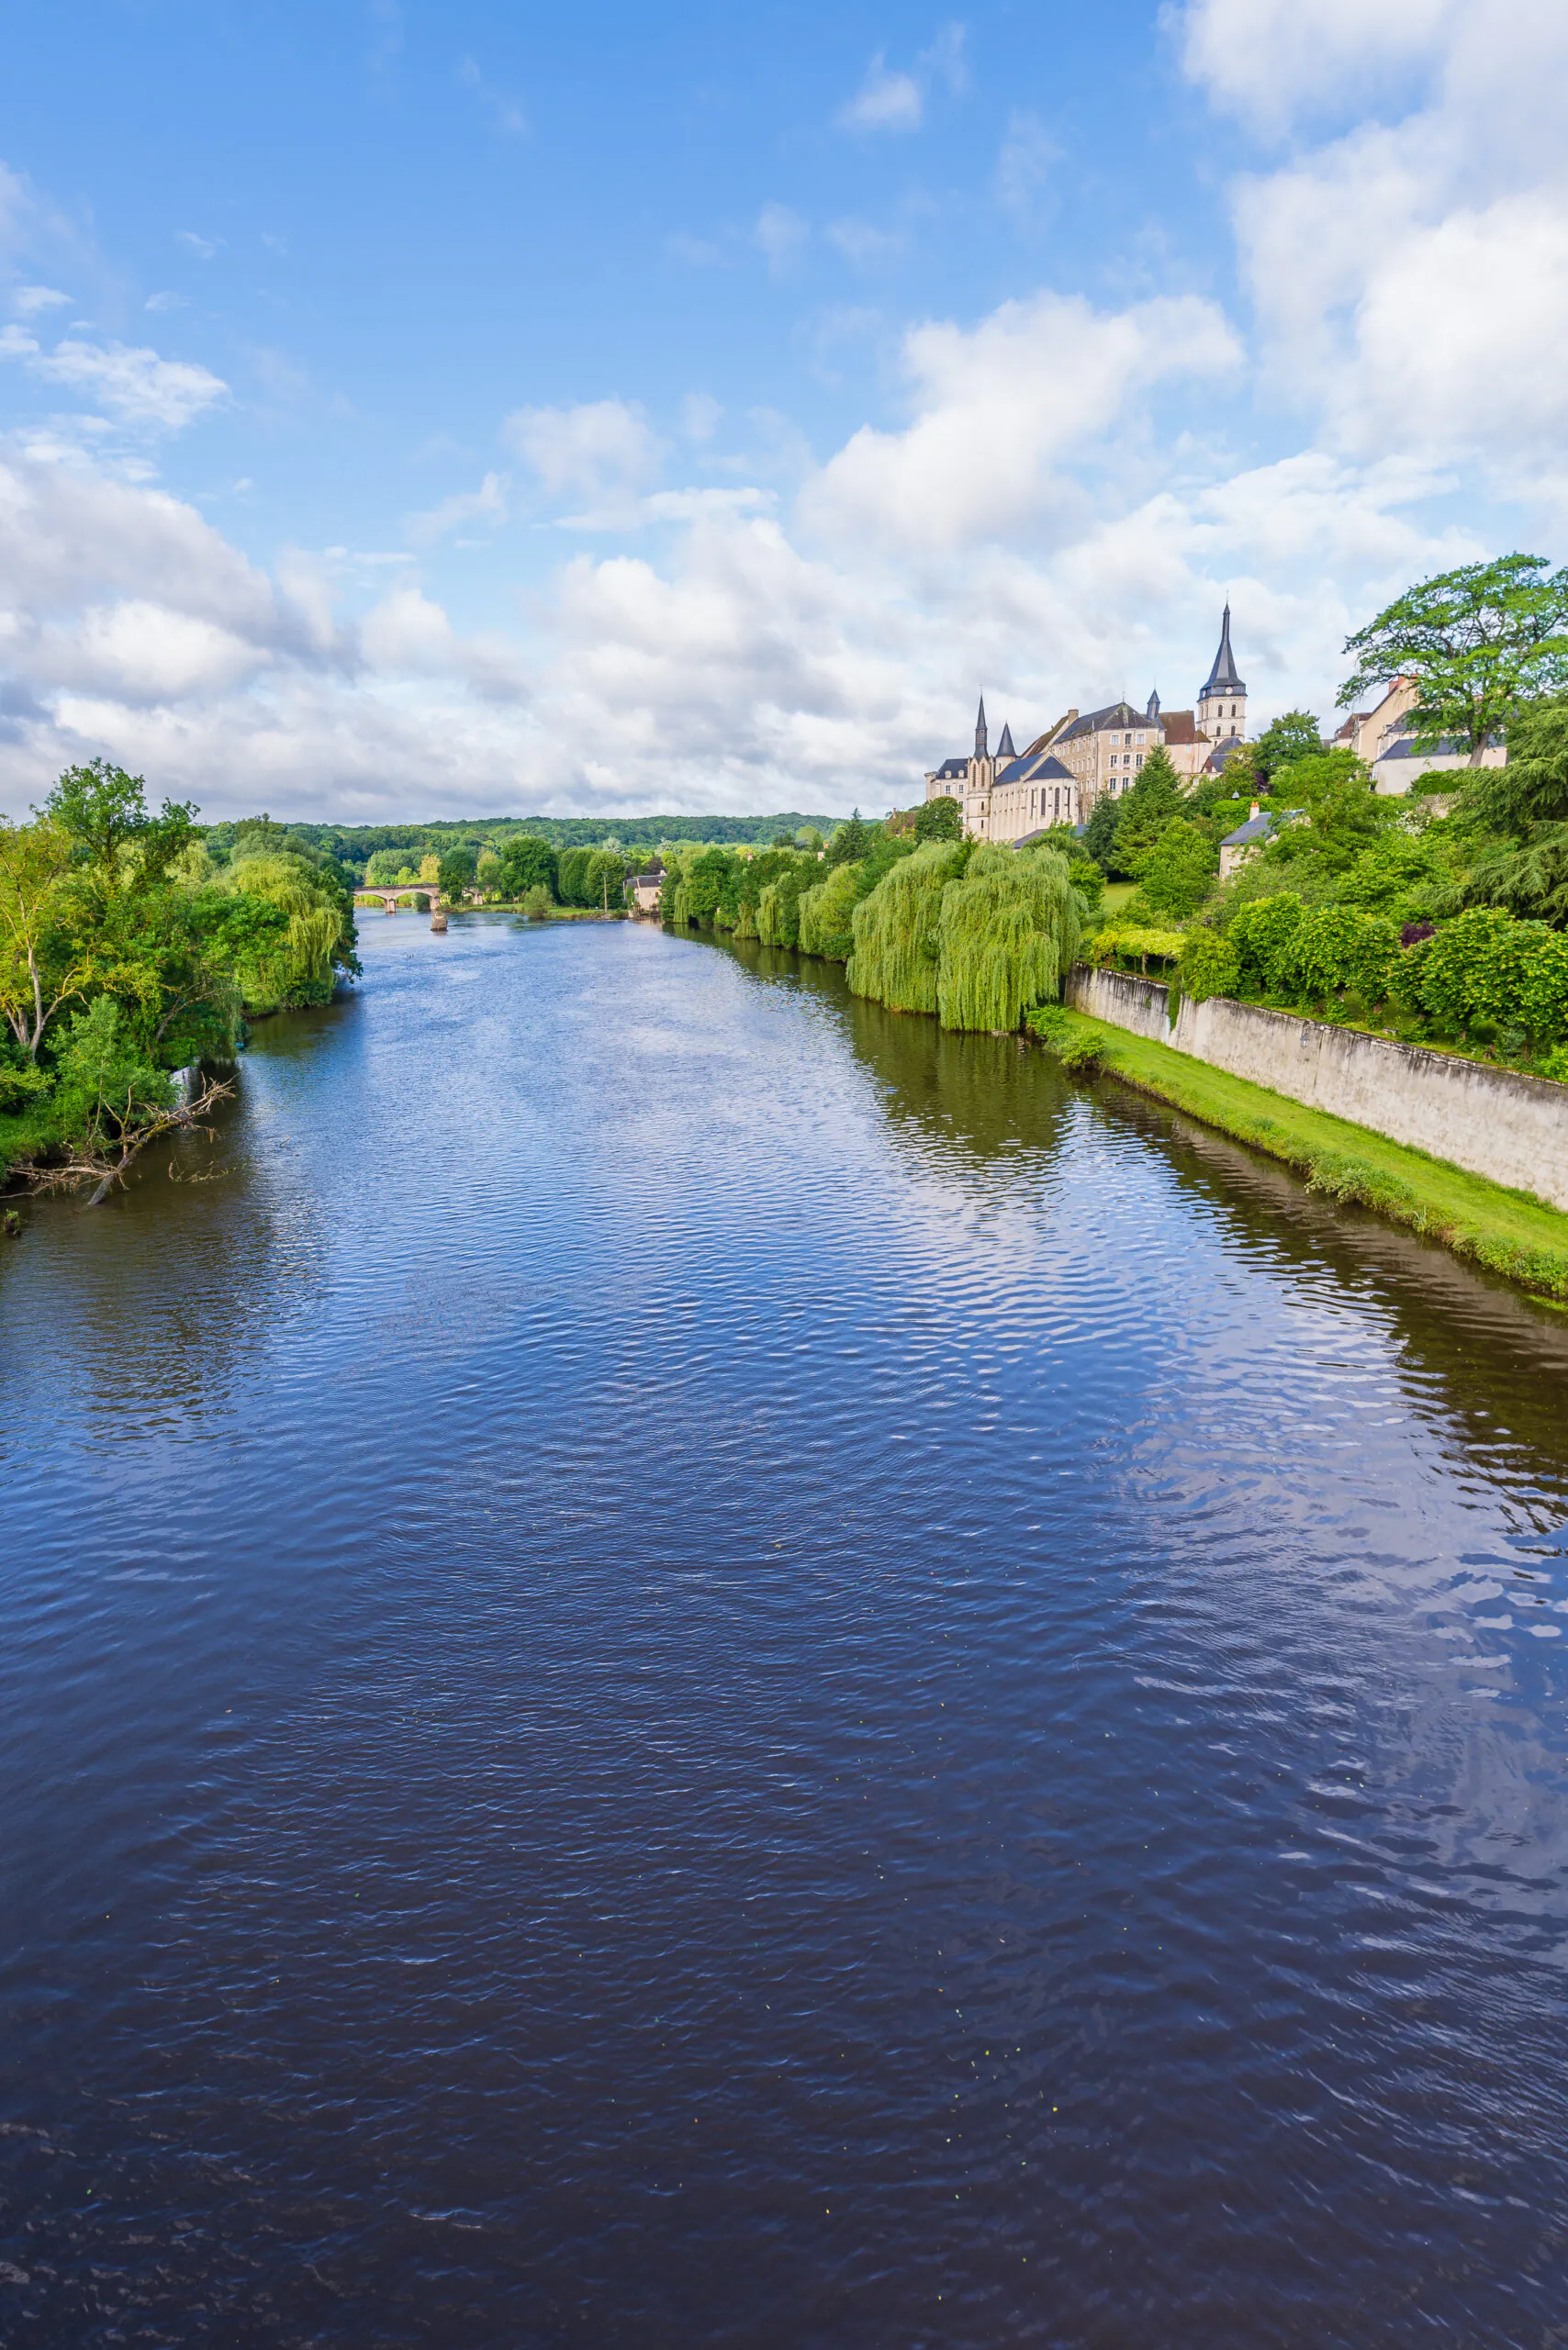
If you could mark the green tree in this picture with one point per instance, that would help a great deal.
(705, 884)
(573, 877)
(1293, 736)
(606, 879)
(1520, 813)
(459, 864)
(809, 838)
(939, 820)
(850, 841)
(1179, 871)
(1100, 833)
(1479, 643)
(527, 863)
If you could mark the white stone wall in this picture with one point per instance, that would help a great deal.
(1490, 1121)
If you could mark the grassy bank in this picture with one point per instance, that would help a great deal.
(1508, 1231)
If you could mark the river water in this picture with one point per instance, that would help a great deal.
(685, 1664)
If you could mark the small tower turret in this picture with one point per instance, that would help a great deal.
(1222, 705)
(980, 731)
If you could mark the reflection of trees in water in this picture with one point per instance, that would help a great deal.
(1474, 1354)
(1495, 1362)
(989, 1097)
(174, 1289)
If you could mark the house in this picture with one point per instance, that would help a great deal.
(1246, 841)
(1381, 738)
(643, 890)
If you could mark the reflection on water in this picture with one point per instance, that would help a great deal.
(688, 1664)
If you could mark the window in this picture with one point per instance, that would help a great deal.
(1140, 758)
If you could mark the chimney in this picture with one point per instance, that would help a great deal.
(1254, 817)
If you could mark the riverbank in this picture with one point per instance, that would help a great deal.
(1509, 1232)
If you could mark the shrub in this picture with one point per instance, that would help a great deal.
(1339, 946)
(1261, 937)
(1207, 965)
(1487, 966)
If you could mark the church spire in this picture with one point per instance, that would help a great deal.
(1004, 749)
(980, 731)
(1223, 678)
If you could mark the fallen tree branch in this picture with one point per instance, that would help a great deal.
(104, 1169)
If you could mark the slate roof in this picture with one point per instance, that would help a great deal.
(953, 767)
(1256, 828)
(1116, 713)
(1040, 768)
(1223, 678)
(1221, 754)
(1004, 749)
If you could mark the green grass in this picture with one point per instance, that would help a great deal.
(1511, 1233)
(1117, 896)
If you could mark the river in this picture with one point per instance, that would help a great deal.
(685, 1664)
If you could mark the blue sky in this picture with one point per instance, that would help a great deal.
(411, 410)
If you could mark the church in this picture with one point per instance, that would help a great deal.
(1007, 795)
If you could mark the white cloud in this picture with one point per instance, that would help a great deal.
(1273, 59)
(160, 303)
(30, 301)
(699, 416)
(864, 246)
(204, 248)
(891, 100)
(885, 101)
(603, 454)
(134, 384)
(998, 408)
(779, 235)
(1024, 165)
(485, 504)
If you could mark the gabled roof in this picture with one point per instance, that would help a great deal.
(1116, 713)
(1216, 761)
(1256, 828)
(1179, 726)
(1052, 734)
(1040, 768)
(1222, 679)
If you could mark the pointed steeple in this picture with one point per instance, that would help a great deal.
(1004, 749)
(980, 731)
(1152, 712)
(1223, 678)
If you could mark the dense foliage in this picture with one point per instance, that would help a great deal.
(131, 946)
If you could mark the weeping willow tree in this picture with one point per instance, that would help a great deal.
(1007, 934)
(767, 927)
(827, 912)
(896, 930)
(296, 965)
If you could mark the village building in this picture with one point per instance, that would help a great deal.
(1381, 737)
(1009, 796)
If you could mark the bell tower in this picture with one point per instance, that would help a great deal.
(1222, 704)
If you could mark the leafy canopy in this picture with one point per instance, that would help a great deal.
(1479, 643)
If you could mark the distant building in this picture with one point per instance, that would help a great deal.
(644, 890)
(1247, 840)
(1083, 758)
(1380, 737)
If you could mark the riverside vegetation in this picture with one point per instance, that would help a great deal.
(134, 947)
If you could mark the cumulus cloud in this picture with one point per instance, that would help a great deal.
(602, 454)
(998, 408)
(204, 248)
(30, 301)
(134, 384)
(891, 100)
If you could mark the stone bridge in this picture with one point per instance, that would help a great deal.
(429, 890)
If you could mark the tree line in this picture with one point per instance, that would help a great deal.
(134, 947)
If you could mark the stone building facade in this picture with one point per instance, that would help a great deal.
(1084, 757)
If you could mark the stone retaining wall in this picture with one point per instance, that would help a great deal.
(1490, 1121)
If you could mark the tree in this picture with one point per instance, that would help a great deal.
(941, 819)
(456, 870)
(1521, 811)
(45, 958)
(607, 877)
(1179, 871)
(809, 838)
(849, 842)
(1142, 813)
(1100, 833)
(103, 812)
(1293, 736)
(1479, 643)
(527, 863)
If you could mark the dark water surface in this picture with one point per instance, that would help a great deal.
(686, 1665)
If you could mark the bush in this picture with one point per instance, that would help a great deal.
(1206, 966)
(1339, 946)
(1487, 966)
(1260, 935)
